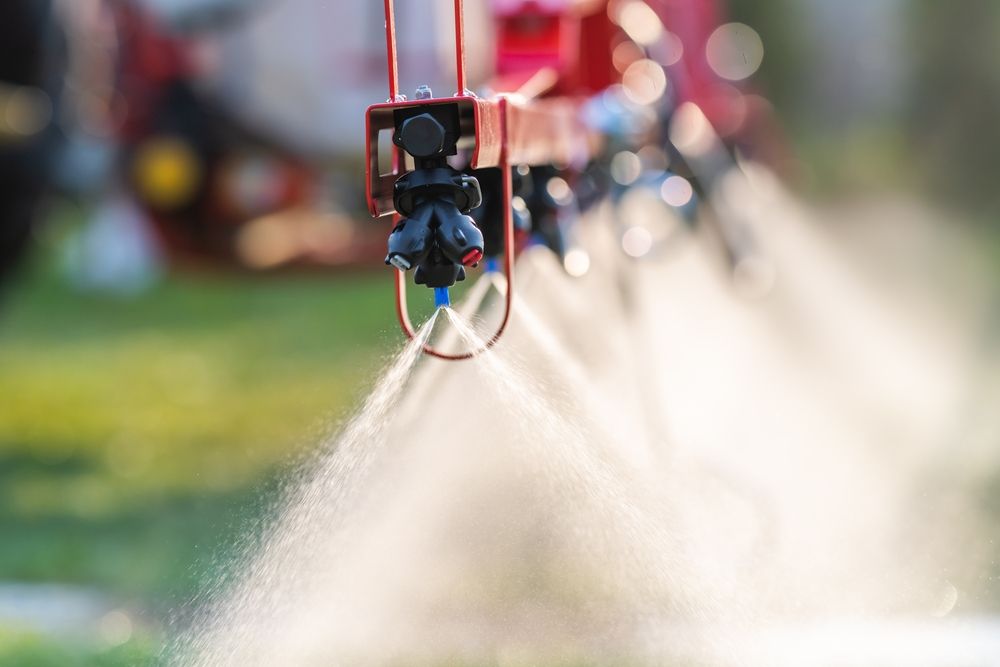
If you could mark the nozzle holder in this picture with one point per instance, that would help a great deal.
(417, 187)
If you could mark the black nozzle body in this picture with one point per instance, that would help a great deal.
(436, 234)
(435, 203)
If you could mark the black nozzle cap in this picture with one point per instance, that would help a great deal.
(432, 274)
(457, 235)
(421, 136)
(411, 239)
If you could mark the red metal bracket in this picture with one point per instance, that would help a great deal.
(500, 132)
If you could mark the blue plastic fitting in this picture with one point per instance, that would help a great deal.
(442, 297)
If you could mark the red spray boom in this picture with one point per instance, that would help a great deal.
(442, 148)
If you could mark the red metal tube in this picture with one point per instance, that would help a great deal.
(390, 49)
(460, 82)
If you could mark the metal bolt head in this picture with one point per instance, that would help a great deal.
(421, 136)
(423, 93)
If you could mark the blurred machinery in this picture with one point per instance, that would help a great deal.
(33, 63)
(225, 118)
(200, 173)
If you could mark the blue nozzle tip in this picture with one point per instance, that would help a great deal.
(442, 297)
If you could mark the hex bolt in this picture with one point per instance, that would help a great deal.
(421, 136)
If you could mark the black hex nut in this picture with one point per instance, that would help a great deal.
(421, 136)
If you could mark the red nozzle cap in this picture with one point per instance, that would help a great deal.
(472, 257)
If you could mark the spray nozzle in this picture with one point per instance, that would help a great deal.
(436, 232)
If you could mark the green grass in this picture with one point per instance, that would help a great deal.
(202, 383)
(869, 160)
(25, 649)
(139, 438)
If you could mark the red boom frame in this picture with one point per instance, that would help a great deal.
(502, 131)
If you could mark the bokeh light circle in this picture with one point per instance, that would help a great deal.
(734, 51)
(644, 81)
(676, 191)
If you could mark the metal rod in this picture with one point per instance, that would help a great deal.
(460, 82)
(390, 48)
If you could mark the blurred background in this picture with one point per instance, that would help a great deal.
(191, 289)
